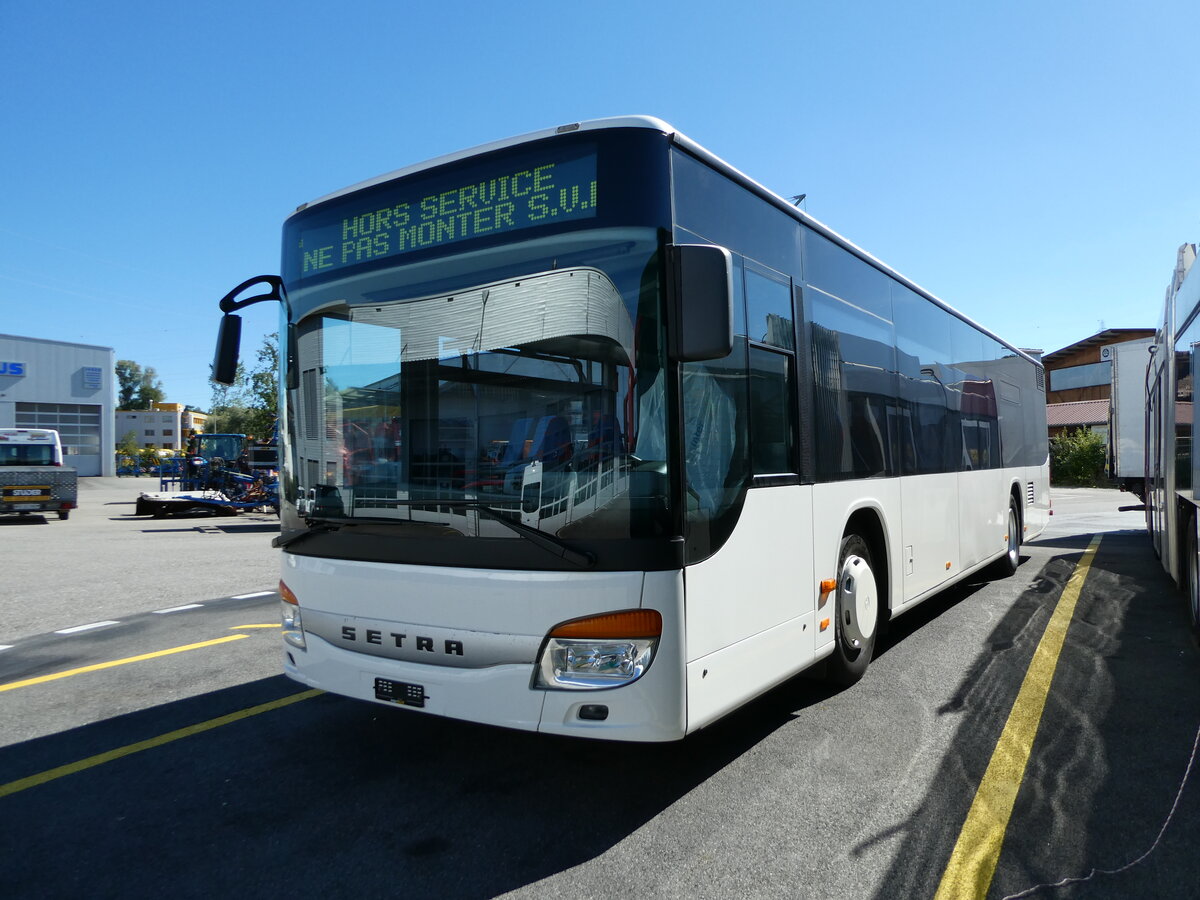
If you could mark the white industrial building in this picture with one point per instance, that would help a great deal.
(64, 386)
(164, 426)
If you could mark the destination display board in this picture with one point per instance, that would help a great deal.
(425, 212)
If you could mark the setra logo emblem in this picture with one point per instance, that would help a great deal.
(372, 636)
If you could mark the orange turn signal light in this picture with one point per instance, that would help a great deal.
(828, 586)
(824, 624)
(286, 595)
(630, 623)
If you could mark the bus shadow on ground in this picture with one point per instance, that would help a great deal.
(1112, 743)
(332, 797)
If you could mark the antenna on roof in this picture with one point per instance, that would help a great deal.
(798, 199)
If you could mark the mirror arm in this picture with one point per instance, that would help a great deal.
(229, 304)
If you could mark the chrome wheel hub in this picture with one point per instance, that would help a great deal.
(857, 602)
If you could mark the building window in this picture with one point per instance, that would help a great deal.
(1089, 375)
(168, 432)
(149, 432)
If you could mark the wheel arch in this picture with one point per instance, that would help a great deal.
(1186, 519)
(867, 522)
(1015, 494)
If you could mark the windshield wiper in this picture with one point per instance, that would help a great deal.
(314, 527)
(547, 542)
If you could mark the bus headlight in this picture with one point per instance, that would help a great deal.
(289, 610)
(602, 651)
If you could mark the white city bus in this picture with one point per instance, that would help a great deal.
(1172, 480)
(588, 433)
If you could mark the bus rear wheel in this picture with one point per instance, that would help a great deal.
(1007, 564)
(857, 613)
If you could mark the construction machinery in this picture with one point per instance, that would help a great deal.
(224, 474)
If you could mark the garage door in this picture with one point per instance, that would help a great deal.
(78, 426)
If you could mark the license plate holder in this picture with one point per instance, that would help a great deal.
(402, 693)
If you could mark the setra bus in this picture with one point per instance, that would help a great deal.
(588, 433)
(1172, 484)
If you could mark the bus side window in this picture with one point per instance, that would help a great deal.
(769, 307)
(771, 320)
(854, 384)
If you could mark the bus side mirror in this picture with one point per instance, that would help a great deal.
(224, 368)
(225, 360)
(703, 303)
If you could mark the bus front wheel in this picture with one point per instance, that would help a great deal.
(857, 612)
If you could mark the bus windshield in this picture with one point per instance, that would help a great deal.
(522, 384)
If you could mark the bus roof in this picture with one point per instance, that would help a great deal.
(683, 141)
(28, 435)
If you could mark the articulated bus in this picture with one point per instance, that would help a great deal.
(1172, 481)
(588, 433)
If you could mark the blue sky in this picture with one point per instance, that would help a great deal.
(1032, 163)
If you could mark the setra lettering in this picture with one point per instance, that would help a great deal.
(424, 644)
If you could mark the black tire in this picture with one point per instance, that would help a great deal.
(64, 514)
(1006, 566)
(1191, 583)
(856, 612)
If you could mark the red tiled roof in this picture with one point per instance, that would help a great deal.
(1080, 412)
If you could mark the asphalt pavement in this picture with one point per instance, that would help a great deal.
(104, 562)
(204, 772)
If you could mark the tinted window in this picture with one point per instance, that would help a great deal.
(769, 307)
(838, 272)
(710, 204)
(854, 372)
(929, 439)
(973, 392)
(966, 342)
(716, 456)
(1183, 417)
(1013, 377)
(772, 413)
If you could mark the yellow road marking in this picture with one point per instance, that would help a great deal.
(41, 679)
(236, 627)
(973, 861)
(21, 784)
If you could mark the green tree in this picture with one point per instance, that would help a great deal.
(137, 387)
(251, 403)
(1077, 458)
(128, 444)
(129, 376)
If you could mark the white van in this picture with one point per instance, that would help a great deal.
(32, 475)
